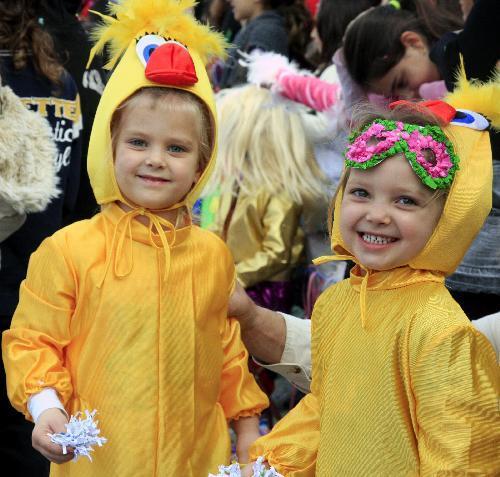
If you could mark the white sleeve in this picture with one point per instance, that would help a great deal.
(295, 364)
(489, 326)
(40, 402)
(298, 341)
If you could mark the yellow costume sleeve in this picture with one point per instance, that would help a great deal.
(292, 445)
(457, 391)
(240, 395)
(33, 348)
(280, 223)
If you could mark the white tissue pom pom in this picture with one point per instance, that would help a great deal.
(259, 470)
(81, 435)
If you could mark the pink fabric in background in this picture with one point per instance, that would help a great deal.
(433, 90)
(309, 90)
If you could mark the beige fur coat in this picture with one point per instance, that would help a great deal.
(28, 180)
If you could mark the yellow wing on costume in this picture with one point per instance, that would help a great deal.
(292, 446)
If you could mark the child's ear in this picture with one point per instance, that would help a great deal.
(413, 39)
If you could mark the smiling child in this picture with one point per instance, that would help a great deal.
(402, 382)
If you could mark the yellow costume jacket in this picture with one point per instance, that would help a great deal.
(402, 383)
(131, 320)
(263, 234)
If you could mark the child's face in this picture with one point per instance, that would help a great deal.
(246, 9)
(404, 79)
(387, 215)
(157, 155)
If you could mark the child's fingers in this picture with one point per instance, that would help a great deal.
(247, 470)
(59, 458)
(50, 450)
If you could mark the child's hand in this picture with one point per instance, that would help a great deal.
(247, 470)
(50, 421)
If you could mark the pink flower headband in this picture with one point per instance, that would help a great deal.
(428, 150)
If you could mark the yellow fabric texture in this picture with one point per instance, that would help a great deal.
(264, 235)
(158, 359)
(410, 388)
(131, 319)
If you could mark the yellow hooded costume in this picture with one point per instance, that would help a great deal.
(403, 385)
(130, 319)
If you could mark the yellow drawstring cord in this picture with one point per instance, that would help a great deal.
(119, 236)
(364, 281)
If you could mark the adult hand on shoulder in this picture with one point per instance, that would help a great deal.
(263, 331)
(241, 307)
(50, 421)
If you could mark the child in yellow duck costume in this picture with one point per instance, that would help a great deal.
(403, 385)
(126, 312)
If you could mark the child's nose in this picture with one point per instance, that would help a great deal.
(155, 159)
(378, 214)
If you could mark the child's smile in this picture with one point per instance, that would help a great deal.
(376, 240)
(152, 179)
(387, 214)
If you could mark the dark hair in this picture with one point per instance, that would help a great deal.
(440, 16)
(298, 24)
(372, 44)
(21, 33)
(332, 19)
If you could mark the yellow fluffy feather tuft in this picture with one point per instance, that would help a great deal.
(169, 18)
(483, 98)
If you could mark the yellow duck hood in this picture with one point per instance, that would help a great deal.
(470, 195)
(152, 43)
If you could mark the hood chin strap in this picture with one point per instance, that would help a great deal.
(123, 233)
(364, 281)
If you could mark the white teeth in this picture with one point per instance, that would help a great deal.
(377, 239)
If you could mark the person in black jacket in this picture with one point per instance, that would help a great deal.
(281, 26)
(73, 46)
(29, 65)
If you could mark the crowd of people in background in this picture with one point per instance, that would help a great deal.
(282, 133)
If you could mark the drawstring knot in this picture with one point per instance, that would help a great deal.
(122, 237)
(364, 281)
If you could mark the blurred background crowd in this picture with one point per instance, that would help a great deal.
(283, 127)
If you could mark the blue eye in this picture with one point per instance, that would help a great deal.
(470, 119)
(148, 51)
(359, 193)
(406, 201)
(176, 149)
(146, 45)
